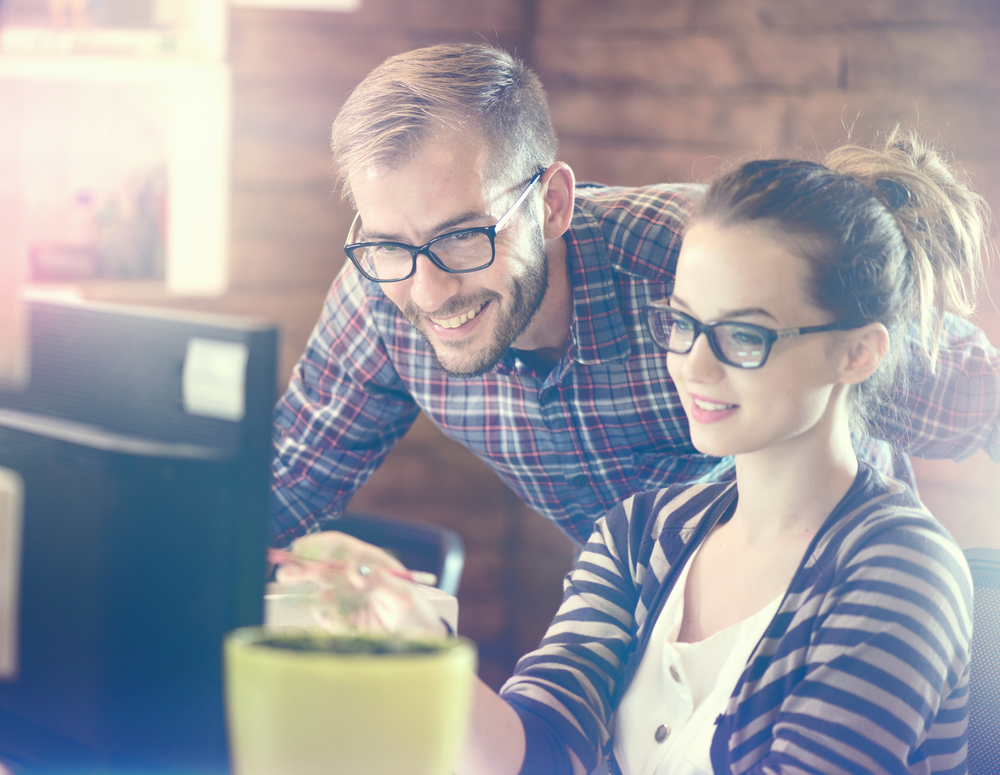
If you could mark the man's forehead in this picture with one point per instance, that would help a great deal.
(448, 147)
(414, 208)
(427, 184)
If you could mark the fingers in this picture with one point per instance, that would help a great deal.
(360, 559)
(356, 589)
(334, 545)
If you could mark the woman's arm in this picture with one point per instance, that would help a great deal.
(564, 691)
(495, 744)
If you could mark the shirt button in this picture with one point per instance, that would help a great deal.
(675, 674)
(662, 733)
(579, 481)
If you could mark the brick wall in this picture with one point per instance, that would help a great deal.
(641, 91)
(648, 91)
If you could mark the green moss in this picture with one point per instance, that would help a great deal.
(355, 644)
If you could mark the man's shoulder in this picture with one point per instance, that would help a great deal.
(640, 228)
(352, 296)
(660, 201)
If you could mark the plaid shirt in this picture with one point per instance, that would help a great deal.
(604, 424)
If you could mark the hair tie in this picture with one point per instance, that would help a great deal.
(895, 194)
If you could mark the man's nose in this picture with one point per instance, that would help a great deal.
(431, 286)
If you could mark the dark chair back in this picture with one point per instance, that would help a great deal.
(984, 686)
(417, 545)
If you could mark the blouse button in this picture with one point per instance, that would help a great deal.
(662, 733)
(675, 674)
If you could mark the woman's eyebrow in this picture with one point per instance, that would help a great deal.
(732, 313)
(746, 312)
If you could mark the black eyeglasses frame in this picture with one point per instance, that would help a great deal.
(769, 335)
(414, 251)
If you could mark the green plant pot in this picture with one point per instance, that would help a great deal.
(299, 703)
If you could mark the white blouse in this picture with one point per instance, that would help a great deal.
(666, 718)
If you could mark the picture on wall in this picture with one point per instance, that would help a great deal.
(93, 166)
(188, 28)
(116, 169)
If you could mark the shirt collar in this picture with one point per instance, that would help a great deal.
(598, 330)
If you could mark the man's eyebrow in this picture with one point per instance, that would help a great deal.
(740, 312)
(440, 228)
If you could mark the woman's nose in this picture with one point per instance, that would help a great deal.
(431, 286)
(701, 365)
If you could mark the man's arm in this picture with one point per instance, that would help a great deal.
(954, 411)
(344, 409)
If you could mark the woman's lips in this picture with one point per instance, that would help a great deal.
(706, 410)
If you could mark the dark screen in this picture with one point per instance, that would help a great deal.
(142, 541)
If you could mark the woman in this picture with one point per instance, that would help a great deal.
(811, 616)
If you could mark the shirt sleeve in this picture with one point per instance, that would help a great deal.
(344, 409)
(885, 681)
(563, 690)
(954, 410)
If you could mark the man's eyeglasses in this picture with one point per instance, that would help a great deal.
(743, 345)
(458, 252)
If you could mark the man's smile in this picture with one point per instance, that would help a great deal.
(458, 320)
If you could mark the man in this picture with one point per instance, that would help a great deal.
(489, 291)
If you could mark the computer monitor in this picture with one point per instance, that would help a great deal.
(133, 508)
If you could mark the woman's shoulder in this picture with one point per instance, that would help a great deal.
(882, 521)
(876, 503)
(678, 513)
(677, 504)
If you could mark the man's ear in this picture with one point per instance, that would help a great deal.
(867, 347)
(558, 184)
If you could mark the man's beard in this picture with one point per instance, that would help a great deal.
(514, 313)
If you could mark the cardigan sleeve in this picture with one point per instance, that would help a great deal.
(880, 680)
(562, 691)
(566, 690)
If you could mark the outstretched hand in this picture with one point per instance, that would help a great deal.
(358, 587)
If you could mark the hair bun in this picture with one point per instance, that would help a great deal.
(895, 194)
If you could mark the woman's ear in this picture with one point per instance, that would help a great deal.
(558, 184)
(867, 347)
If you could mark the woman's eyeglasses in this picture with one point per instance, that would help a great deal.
(743, 345)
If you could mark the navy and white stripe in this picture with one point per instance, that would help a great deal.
(864, 668)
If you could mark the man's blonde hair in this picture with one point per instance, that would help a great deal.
(466, 87)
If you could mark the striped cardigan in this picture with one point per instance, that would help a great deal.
(864, 668)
